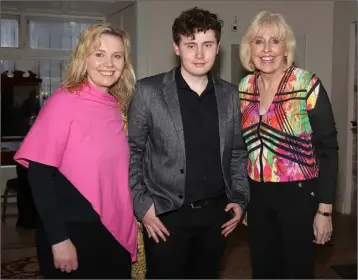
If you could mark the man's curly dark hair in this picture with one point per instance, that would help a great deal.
(196, 20)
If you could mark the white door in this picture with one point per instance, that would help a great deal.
(350, 194)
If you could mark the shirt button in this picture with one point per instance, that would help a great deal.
(182, 171)
(180, 196)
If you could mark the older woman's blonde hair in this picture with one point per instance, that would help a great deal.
(88, 42)
(266, 22)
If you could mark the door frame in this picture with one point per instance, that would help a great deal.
(347, 201)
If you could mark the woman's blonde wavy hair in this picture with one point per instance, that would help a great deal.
(264, 22)
(88, 42)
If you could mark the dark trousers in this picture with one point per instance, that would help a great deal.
(280, 221)
(195, 245)
(100, 256)
(27, 215)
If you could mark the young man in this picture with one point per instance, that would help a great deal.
(188, 158)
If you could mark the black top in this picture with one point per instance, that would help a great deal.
(199, 113)
(57, 201)
(325, 143)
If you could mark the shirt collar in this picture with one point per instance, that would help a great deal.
(181, 83)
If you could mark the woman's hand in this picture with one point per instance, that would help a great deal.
(322, 225)
(244, 221)
(65, 256)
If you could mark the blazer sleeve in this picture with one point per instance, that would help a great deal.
(240, 191)
(138, 132)
(324, 139)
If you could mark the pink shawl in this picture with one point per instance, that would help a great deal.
(83, 136)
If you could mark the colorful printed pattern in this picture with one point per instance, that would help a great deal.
(279, 142)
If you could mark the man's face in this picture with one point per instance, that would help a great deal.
(197, 55)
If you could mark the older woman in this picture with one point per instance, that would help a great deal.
(291, 139)
(78, 159)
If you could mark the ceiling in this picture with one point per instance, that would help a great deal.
(88, 7)
(83, 7)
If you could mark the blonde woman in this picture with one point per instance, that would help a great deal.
(290, 133)
(78, 157)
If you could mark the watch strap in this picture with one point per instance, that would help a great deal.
(326, 214)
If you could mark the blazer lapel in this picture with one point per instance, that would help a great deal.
(222, 113)
(171, 97)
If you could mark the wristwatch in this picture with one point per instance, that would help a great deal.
(326, 214)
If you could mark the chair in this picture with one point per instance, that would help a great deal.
(11, 189)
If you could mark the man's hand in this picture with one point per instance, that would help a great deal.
(230, 225)
(154, 226)
(65, 256)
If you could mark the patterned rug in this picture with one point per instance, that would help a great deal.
(19, 263)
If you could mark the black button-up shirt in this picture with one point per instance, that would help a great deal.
(203, 178)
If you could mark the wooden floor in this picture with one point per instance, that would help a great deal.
(236, 263)
(342, 250)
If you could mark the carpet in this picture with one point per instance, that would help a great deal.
(19, 263)
(347, 271)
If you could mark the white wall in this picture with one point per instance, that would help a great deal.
(344, 13)
(115, 19)
(130, 25)
(127, 19)
(155, 19)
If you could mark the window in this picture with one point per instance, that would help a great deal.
(43, 47)
(54, 34)
(9, 65)
(9, 33)
(49, 70)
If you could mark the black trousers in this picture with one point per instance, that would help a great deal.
(280, 222)
(195, 245)
(100, 256)
(27, 215)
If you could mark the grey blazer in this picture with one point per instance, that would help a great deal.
(156, 141)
